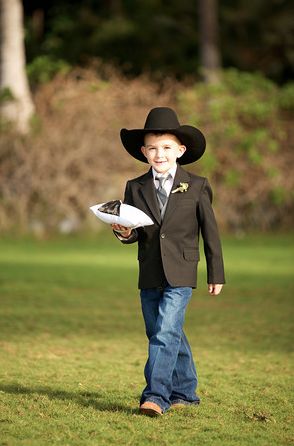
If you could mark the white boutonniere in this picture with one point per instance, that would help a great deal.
(183, 187)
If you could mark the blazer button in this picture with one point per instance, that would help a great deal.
(162, 235)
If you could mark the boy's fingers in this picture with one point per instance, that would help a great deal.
(123, 230)
(214, 289)
(119, 227)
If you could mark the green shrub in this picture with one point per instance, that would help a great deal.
(249, 145)
(241, 109)
(286, 97)
(43, 68)
(6, 95)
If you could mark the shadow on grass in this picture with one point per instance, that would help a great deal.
(84, 399)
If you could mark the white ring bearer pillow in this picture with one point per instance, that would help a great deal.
(116, 212)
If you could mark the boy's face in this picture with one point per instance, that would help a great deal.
(162, 151)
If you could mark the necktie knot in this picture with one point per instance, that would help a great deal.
(162, 179)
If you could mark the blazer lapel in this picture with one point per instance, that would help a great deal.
(148, 193)
(181, 177)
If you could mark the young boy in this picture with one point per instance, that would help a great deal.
(179, 203)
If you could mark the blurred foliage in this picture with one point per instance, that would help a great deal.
(248, 127)
(6, 95)
(286, 97)
(43, 68)
(50, 177)
(258, 35)
(160, 37)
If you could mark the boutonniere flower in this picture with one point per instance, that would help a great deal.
(183, 187)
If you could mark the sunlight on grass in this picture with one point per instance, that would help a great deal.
(72, 258)
(73, 347)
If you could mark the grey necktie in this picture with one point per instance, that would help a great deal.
(161, 192)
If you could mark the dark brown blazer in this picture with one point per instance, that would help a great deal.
(168, 251)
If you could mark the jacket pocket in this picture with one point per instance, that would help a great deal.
(191, 254)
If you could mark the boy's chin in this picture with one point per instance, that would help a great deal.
(161, 168)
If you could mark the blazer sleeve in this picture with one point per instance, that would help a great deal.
(210, 235)
(134, 235)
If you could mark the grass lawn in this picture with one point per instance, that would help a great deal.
(73, 347)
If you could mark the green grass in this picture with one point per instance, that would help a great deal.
(73, 348)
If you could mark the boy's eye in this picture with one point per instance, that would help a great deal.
(167, 147)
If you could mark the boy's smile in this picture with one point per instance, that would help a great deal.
(162, 151)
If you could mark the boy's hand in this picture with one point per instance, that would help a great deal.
(214, 288)
(122, 230)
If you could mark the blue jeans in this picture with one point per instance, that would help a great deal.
(170, 371)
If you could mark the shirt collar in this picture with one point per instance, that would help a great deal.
(171, 171)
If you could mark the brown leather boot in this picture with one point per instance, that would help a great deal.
(150, 409)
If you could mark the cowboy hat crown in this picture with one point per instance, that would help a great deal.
(165, 120)
(161, 118)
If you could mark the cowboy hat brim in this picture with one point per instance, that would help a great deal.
(190, 136)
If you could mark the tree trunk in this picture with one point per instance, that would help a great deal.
(210, 58)
(12, 66)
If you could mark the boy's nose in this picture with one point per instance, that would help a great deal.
(160, 152)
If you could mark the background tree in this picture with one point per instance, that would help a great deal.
(18, 107)
(210, 59)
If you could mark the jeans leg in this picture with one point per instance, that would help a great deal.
(185, 375)
(165, 337)
(150, 308)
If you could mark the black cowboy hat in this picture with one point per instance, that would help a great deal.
(165, 120)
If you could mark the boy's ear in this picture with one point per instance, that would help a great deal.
(182, 150)
(143, 150)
